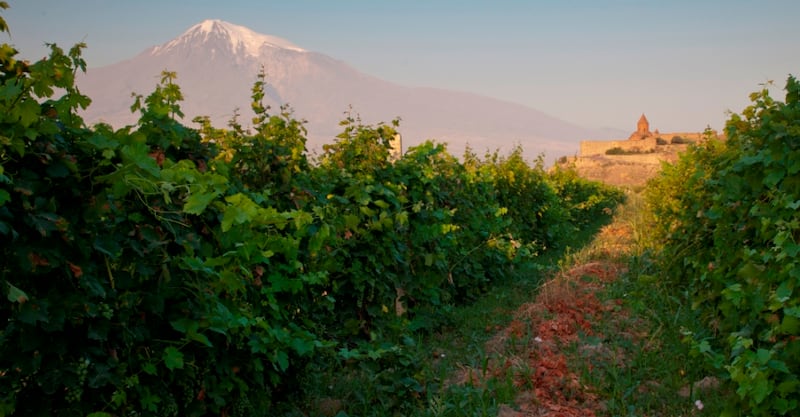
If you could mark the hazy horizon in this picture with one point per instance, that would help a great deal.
(595, 64)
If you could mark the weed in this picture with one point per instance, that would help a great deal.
(642, 366)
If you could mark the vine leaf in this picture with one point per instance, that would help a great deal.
(16, 295)
(173, 358)
(196, 203)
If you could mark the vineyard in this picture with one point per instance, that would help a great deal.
(161, 269)
(173, 269)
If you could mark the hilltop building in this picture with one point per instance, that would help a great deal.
(641, 141)
(631, 161)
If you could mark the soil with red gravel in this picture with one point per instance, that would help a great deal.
(541, 347)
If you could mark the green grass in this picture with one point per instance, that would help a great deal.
(647, 369)
(651, 371)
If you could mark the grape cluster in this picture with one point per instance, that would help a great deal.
(242, 407)
(105, 311)
(187, 393)
(73, 394)
(82, 370)
(170, 408)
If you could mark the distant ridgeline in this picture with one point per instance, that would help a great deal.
(633, 161)
(641, 141)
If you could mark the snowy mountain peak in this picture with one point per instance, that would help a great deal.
(239, 38)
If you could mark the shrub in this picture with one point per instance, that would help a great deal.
(633, 151)
(585, 200)
(680, 140)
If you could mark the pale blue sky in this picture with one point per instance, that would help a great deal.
(592, 62)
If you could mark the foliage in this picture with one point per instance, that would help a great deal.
(136, 277)
(585, 200)
(729, 222)
(620, 151)
(158, 269)
(680, 140)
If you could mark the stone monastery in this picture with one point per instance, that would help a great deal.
(632, 161)
(640, 141)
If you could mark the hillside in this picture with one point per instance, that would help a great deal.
(623, 170)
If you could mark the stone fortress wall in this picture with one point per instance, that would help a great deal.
(693, 136)
(599, 147)
(641, 157)
(641, 141)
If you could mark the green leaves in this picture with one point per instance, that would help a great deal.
(197, 202)
(732, 219)
(16, 295)
(3, 24)
(204, 189)
(25, 112)
(191, 329)
(241, 209)
(173, 358)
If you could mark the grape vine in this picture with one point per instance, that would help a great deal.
(727, 214)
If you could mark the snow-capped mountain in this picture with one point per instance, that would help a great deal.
(217, 63)
(239, 39)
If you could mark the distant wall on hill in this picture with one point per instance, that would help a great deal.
(599, 147)
(645, 158)
(635, 159)
(693, 136)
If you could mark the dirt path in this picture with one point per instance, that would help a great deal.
(542, 347)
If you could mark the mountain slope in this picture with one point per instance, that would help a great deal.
(217, 63)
